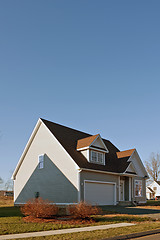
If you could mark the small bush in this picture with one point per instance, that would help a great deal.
(82, 210)
(39, 208)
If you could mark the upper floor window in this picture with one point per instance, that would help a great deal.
(41, 161)
(155, 188)
(138, 188)
(97, 157)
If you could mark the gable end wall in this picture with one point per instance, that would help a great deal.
(58, 181)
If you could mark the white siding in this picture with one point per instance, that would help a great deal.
(45, 143)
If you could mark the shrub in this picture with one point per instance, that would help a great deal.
(39, 208)
(82, 210)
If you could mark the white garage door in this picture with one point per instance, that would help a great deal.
(99, 193)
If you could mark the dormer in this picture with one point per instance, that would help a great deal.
(93, 148)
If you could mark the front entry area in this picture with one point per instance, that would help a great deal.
(101, 193)
(125, 189)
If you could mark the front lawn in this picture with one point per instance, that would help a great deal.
(11, 222)
(101, 234)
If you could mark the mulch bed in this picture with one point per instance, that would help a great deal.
(58, 220)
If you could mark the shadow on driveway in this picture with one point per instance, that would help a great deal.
(130, 210)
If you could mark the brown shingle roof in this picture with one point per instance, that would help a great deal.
(68, 138)
(126, 153)
(85, 142)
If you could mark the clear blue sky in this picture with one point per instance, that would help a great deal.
(90, 65)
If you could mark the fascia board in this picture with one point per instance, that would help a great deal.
(128, 174)
(92, 148)
(99, 136)
(77, 167)
(26, 148)
(98, 171)
(82, 149)
(97, 149)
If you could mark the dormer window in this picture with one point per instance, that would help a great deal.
(97, 157)
(93, 149)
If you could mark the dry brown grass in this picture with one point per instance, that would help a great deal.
(6, 201)
(150, 207)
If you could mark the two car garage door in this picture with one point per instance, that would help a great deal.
(101, 193)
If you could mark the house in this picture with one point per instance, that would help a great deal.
(66, 166)
(154, 187)
(150, 194)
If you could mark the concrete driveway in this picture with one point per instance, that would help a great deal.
(153, 213)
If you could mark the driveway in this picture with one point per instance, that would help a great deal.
(153, 213)
(150, 237)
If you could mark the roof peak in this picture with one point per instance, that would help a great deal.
(87, 141)
(44, 120)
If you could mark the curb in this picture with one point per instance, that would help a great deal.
(133, 235)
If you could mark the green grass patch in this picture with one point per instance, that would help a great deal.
(10, 212)
(101, 234)
(152, 203)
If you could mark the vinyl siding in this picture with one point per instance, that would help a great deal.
(143, 197)
(57, 181)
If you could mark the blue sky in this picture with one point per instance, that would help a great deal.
(90, 65)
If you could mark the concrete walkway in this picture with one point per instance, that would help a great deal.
(63, 231)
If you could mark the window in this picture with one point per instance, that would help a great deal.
(41, 161)
(138, 188)
(155, 188)
(97, 157)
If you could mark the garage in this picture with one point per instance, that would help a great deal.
(101, 193)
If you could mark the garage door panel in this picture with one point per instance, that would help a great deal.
(99, 193)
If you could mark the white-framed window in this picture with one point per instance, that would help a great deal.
(97, 157)
(138, 188)
(41, 161)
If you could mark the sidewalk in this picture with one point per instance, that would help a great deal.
(63, 231)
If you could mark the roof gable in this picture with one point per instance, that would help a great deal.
(115, 161)
(94, 141)
(86, 142)
(131, 169)
(138, 165)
